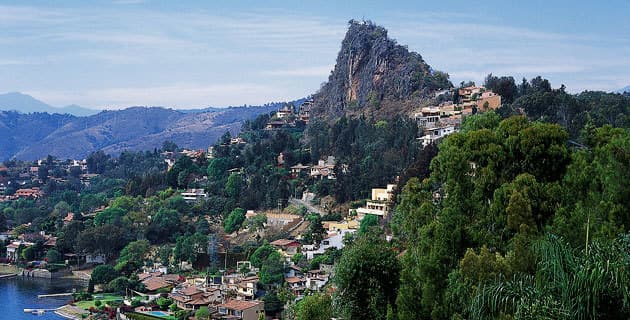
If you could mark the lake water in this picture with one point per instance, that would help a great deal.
(17, 294)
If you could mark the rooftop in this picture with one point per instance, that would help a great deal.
(240, 304)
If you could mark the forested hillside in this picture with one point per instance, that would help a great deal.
(514, 223)
(523, 212)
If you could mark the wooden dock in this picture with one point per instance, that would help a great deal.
(53, 295)
(11, 275)
(39, 311)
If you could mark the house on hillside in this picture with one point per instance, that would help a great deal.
(275, 124)
(297, 285)
(286, 247)
(285, 112)
(247, 288)
(194, 195)
(193, 298)
(316, 280)
(13, 249)
(297, 169)
(433, 135)
(29, 193)
(428, 117)
(324, 168)
(379, 204)
(333, 239)
(240, 309)
(282, 220)
(304, 113)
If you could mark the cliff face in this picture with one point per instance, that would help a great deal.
(375, 75)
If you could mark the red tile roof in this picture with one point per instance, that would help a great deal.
(240, 304)
(285, 242)
(294, 280)
(154, 283)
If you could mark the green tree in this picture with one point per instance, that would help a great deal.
(272, 270)
(234, 220)
(367, 277)
(132, 256)
(103, 274)
(261, 253)
(315, 307)
(367, 223)
(234, 185)
(53, 256)
(164, 226)
(111, 215)
(202, 314)
(102, 240)
(273, 304)
(119, 285)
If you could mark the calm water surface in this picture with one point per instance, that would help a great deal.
(17, 294)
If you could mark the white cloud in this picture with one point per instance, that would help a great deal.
(321, 72)
(178, 96)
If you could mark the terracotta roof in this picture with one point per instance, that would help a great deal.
(199, 301)
(178, 297)
(143, 276)
(284, 242)
(240, 304)
(250, 279)
(154, 283)
(189, 291)
(294, 280)
(172, 277)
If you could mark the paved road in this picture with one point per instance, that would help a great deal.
(308, 206)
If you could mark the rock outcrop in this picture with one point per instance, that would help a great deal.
(374, 75)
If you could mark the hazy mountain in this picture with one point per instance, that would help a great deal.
(26, 104)
(624, 89)
(18, 130)
(36, 135)
(375, 76)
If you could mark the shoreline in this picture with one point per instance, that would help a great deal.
(68, 311)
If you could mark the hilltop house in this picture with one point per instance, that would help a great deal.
(478, 96)
(284, 112)
(432, 135)
(305, 111)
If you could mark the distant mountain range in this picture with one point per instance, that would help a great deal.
(36, 135)
(26, 104)
(624, 89)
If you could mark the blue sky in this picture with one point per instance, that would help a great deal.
(187, 54)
